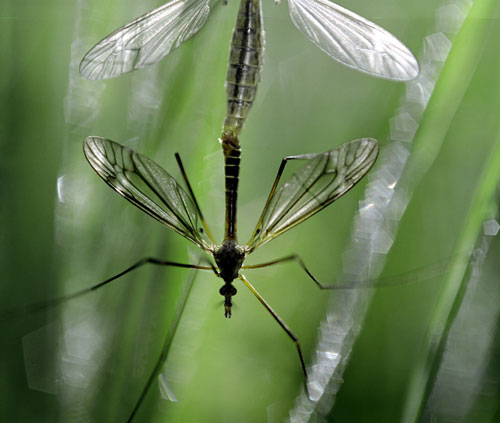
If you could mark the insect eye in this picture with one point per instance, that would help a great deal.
(201, 230)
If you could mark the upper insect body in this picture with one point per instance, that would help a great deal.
(344, 36)
(245, 66)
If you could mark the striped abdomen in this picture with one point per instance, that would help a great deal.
(245, 63)
(232, 153)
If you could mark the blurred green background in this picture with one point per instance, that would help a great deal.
(64, 229)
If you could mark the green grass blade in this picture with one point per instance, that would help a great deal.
(454, 81)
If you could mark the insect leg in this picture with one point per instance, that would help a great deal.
(186, 180)
(418, 274)
(269, 198)
(292, 257)
(282, 324)
(270, 263)
(166, 346)
(42, 305)
(281, 169)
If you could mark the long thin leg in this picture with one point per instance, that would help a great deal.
(418, 274)
(165, 348)
(282, 324)
(269, 198)
(281, 169)
(186, 180)
(42, 305)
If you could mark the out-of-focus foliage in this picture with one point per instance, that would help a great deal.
(63, 229)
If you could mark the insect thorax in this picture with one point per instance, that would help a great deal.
(229, 259)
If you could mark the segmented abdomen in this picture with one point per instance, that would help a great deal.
(232, 152)
(245, 63)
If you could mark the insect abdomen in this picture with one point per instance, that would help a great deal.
(245, 63)
(232, 152)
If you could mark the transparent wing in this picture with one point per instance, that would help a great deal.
(146, 185)
(145, 40)
(353, 40)
(323, 178)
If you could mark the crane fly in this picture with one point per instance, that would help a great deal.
(346, 37)
(321, 180)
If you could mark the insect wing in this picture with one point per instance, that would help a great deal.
(145, 40)
(146, 185)
(353, 40)
(323, 178)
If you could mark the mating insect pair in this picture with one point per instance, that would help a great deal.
(322, 179)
